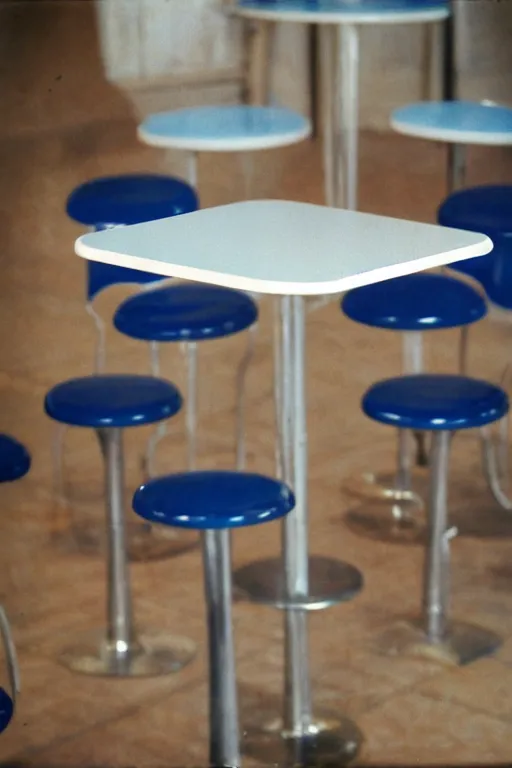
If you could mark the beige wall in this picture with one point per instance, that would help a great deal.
(153, 42)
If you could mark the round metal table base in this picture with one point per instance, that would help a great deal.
(330, 582)
(381, 486)
(463, 643)
(330, 742)
(144, 542)
(393, 523)
(150, 656)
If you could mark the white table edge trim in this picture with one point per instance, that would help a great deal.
(491, 138)
(224, 145)
(333, 17)
(280, 288)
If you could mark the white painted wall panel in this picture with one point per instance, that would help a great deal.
(151, 40)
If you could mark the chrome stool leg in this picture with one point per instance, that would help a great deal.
(120, 651)
(241, 376)
(402, 519)
(395, 510)
(224, 726)
(457, 165)
(435, 636)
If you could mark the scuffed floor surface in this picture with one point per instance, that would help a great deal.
(411, 711)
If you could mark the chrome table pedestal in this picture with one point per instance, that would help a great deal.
(300, 737)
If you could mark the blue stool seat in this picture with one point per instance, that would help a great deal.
(120, 400)
(130, 199)
(498, 285)
(213, 500)
(6, 709)
(464, 122)
(421, 302)
(185, 313)
(435, 402)
(14, 459)
(486, 209)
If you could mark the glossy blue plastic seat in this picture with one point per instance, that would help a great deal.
(130, 199)
(213, 503)
(112, 401)
(114, 201)
(14, 459)
(499, 283)
(420, 302)
(185, 313)
(435, 402)
(486, 209)
(6, 709)
(213, 500)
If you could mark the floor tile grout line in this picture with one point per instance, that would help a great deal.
(151, 700)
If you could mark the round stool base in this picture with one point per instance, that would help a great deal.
(144, 542)
(150, 656)
(330, 741)
(380, 486)
(330, 582)
(394, 523)
(463, 643)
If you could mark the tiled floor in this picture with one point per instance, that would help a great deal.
(410, 710)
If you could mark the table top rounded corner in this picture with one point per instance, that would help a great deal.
(282, 247)
(344, 11)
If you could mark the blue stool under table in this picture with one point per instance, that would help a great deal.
(410, 305)
(118, 201)
(214, 503)
(190, 313)
(14, 464)
(110, 404)
(440, 405)
(107, 202)
(487, 209)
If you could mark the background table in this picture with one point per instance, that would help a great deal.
(293, 250)
(340, 21)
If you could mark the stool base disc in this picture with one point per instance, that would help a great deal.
(330, 742)
(381, 486)
(144, 542)
(151, 655)
(330, 582)
(463, 643)
(394, 522)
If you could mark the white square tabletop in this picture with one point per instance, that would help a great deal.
(280, 247)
